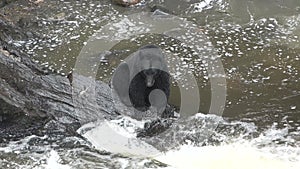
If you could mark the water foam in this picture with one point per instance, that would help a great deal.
(229, 156)
(53, 161)
(261, 152)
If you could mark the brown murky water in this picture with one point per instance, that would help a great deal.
(258, 44)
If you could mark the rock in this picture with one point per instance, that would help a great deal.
(29, 96)
(155, 127)
(43, 95)
(160, 8)
(126, 3)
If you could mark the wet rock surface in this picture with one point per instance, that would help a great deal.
(30, 95)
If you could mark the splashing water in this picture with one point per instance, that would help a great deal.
(232, 151)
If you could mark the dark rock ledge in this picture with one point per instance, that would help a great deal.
(30, 97)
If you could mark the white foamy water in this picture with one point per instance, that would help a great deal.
(256, 153)
(53, 161)
(230, 156)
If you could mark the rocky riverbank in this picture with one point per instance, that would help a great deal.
(29, 95)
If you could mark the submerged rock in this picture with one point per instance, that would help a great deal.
(126, 2)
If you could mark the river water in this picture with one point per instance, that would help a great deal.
(257, 43)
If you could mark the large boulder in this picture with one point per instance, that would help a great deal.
(31, 96)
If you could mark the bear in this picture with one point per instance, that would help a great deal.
(142, 81)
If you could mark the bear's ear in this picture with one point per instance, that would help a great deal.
(120, 83)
